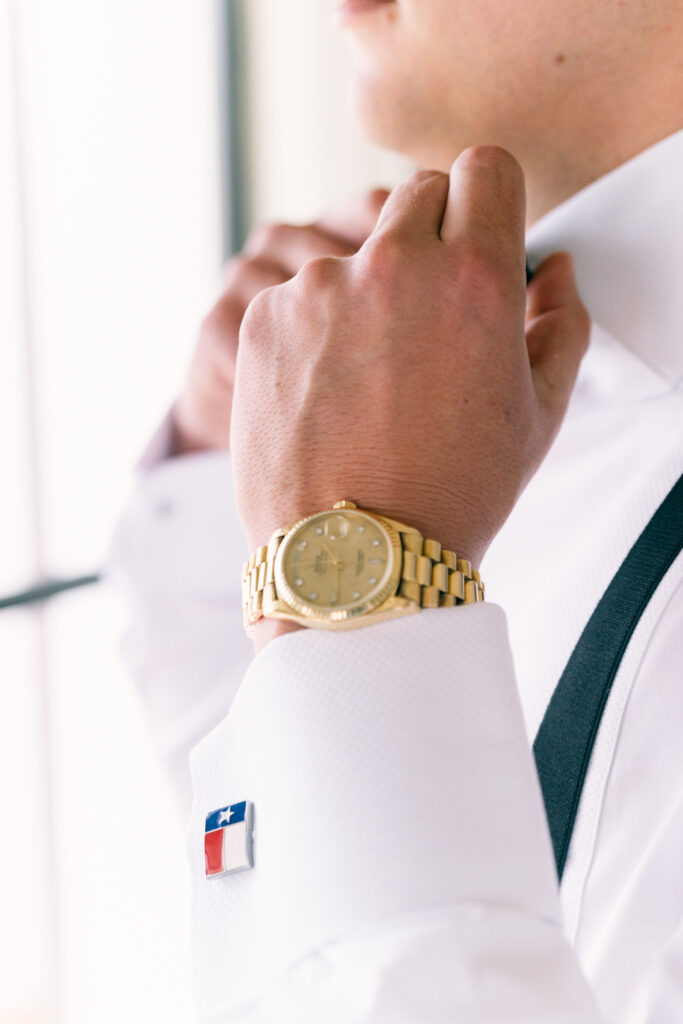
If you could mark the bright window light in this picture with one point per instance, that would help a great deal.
(110, 255)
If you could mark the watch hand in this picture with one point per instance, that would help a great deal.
(330, 554)
(312, 565)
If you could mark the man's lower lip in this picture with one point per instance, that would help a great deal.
(350, 8)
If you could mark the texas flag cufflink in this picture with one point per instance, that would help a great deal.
(228, 839)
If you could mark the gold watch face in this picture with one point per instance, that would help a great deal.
(338, 564)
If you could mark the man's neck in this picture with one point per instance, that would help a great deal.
(553, 177)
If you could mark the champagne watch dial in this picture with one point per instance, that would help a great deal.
(337, 561)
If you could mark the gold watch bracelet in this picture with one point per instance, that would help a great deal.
(431, 577)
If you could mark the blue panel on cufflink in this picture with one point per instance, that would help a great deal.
(229, 815)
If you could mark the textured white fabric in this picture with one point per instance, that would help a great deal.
(185, 646)
(341, 845)
(463, 964)
(402, 864)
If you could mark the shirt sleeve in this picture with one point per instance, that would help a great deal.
(403, 870)
(176, 556)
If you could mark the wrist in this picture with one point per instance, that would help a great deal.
(347, 567)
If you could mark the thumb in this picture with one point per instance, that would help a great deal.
(557, 331)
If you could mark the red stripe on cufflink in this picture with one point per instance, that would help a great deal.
(213, 852)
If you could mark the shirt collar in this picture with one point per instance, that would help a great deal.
(625, 232)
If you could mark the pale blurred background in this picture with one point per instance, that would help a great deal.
(138, 143)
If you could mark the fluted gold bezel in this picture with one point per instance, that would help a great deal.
(287, 594)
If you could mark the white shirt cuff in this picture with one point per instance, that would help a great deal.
(390, 773)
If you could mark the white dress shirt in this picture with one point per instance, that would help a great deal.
(403, 870)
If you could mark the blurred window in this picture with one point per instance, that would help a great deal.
(110, 251)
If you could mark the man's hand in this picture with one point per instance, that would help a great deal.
(418, 377)
(273, 254)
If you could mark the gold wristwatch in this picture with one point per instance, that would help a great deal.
(348, 567)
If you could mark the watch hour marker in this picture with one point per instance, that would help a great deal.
(299, 583)
(302, 544)
(374, 561)
(313, 595)
(355, 595)
(376, 543)
(318, 529)
(373, 579)
(333, 597)
(360, 529)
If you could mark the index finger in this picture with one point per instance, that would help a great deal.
(487, 204)
(416, 206)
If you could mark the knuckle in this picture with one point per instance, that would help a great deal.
(318, 274)
(207, 333)
(264, 238)
(574, 323)
(419, 177)
(237, 271)
(258, 315)
(369, 206)
(213, 324)
(375, 199)
(384, 254)
(409, 190)
(208, 322)
(223, 315)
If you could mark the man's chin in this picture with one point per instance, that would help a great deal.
(375, 111)
(393, 120)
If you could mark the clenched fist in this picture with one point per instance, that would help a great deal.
(273, 254)
(417, 377)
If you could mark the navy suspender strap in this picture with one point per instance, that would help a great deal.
(565, 740)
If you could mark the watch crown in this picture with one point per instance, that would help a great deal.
(345, 504)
